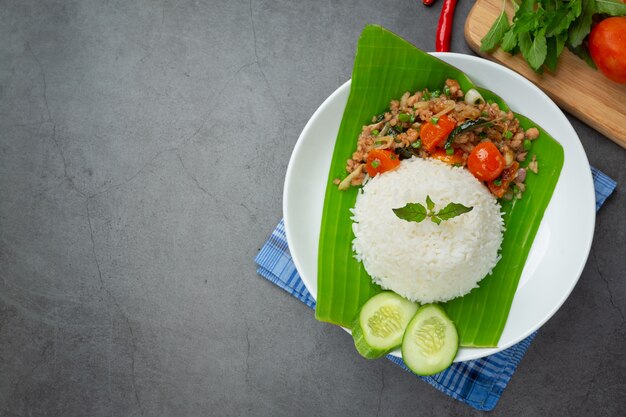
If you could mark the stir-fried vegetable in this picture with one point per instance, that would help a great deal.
(435, 132)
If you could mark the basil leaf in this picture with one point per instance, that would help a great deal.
(534, 50)
(411, 212)
(551, 58)
(527, 6)
(582, 26)
(465, 127)
(560, 21)
(527, 23)
(611, 7)
(495, 34)
(429, 203)
(510, 40)
(452, 210)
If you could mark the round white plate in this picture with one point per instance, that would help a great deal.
(563, 241)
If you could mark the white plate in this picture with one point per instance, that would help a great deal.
(563, 241)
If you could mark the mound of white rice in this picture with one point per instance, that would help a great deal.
(425, 262)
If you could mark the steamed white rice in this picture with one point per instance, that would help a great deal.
(425, 262)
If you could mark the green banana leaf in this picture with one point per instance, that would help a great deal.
(385, 67)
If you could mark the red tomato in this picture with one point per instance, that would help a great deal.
(508, 175)
(455, 159)
(381, 160)
(435, 134)
(485, 161)
(607, 46)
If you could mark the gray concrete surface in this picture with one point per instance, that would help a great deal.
(143, 147)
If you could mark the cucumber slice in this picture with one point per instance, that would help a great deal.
(379, 326)
(430, 342)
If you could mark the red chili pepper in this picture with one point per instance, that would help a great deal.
(444, 29)
(428, 2)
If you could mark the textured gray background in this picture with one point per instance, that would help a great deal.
(143, 147)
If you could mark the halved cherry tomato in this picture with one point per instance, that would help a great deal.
(455, 159)
(485, 161)
(435, 134)
(508, 175)
(381, 160)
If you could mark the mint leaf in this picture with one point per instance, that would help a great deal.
(534, 50)
(582, 25)
(495, 34)
(452, 210)
(429, 203)
(435, 220)
(411, 212)
(611, 7)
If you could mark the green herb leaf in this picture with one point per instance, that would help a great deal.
(465, 127)
(611, 7)
(561, 19)
(510, 40)
(411, 212)
(582, 26)
(416, 212)
(534, 50)
(551, 57)
(453, 210)
(429, 203)
(527, 22)
(527, 6)
(496, 33)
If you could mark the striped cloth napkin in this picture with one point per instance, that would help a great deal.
(479, 382)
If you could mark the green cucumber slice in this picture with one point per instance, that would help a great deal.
(379, 326)
(430, 342)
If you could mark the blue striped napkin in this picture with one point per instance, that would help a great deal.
(479, 382)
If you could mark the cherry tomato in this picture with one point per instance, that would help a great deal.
(607, 46)
(485, 161)
(435, 134)
(508, 175)
(381, 160)
(455, 159)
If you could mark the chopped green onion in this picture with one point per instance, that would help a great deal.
(497, 182)
(404, 117)
(375, 163)
(425, 95)
(375, 132)
(435, 93)
(434, 120)
(412, 119)
(527, 144)
(446, 91)
(450, 151)
(417, 144)
(508, 134)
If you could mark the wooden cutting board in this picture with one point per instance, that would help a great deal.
(575, 87)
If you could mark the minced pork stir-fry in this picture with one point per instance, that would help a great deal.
(455, 127)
